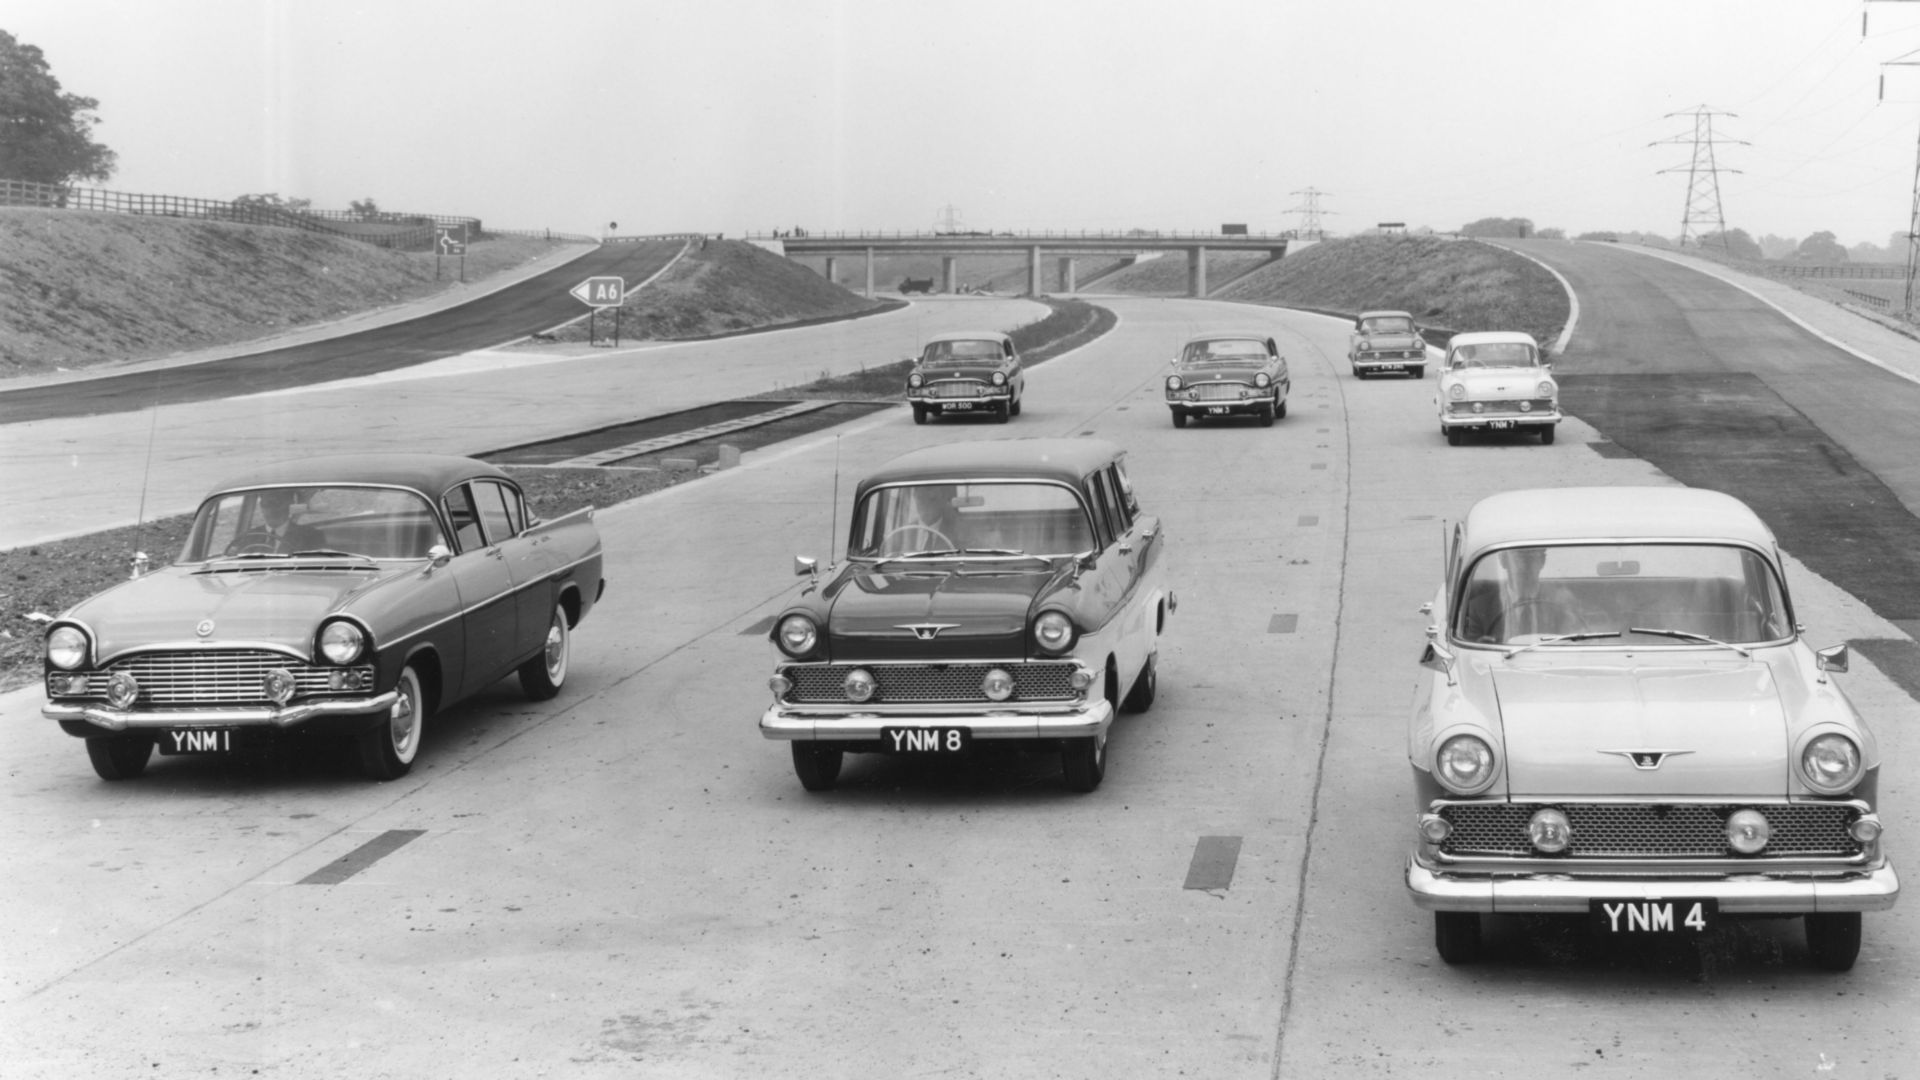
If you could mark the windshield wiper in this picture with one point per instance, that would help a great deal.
(331, 551)
(1554, 639)
(1688, 635)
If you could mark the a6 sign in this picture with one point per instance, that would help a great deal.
(599, 292)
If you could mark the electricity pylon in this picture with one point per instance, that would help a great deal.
(1703, 176)
(1310, 224)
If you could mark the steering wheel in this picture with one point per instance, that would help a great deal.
(918, 527)
(1560, 612)
(253, 542)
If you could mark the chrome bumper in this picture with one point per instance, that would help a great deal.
(289, 716)
(779, 722)
(1739, 894)
(1519, 419)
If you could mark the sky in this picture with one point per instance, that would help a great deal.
(738, 116)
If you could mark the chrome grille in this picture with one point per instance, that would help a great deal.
(1465, 408)
(1640, 830)
(955, 389)
(817, 684)
(1219, 391)
(215, 676)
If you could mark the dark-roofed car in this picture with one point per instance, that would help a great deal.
(1620, 720)
(1228, 374)
(1010, 592)
(976, 373)
(350, 596)
(1386, 341)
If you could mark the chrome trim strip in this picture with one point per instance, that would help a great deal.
(291, 716)
(1094, 718)
(1742, 894)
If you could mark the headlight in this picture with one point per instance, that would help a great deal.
(999, 378)
(914, 380)
(1748, 831)
(1830, 764)
(341, 642)
(1263, 380)
(1549, 831)
(67, 648)
(1457, 392)
(1546, 388)
(1174, 383)
(797, 635)
(1053, 632)
(859, 685)
(1464, 764)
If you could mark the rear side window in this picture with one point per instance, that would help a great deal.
(465, 520)
(490, 499)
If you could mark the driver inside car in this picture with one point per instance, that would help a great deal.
(274, 528)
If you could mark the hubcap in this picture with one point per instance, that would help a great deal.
(400, 722)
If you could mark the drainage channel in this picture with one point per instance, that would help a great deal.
(744, 425)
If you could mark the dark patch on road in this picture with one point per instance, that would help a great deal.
(1897, 658)
(701, 452)
(1731, 432)
(1214, 858)
(363, 856)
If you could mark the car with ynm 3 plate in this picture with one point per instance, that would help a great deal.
(973, 373)
(1010, 592)
(1386, 342)
(349, 596)
(1228, 374)
(1496, 380)
(1618, 719)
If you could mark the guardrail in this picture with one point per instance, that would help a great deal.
(1842, 270)
(1878, 303)
(1029, 234)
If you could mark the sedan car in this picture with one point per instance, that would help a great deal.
(1496, 381)
(1386, 341)
(1008, 592)
(975, 373)
(1619, 719)
(351, 596)
(1228, 374)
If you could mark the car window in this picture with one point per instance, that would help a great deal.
(1235, 351)
(464, 519)
(1388, 326)
(490, 499)
(1122, 511)
(1105, 517)
(964, 352)
(380, 523)
(1128, 499)
(1494, 354)
(904, 520)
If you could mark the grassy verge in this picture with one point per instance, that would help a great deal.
(50, 578)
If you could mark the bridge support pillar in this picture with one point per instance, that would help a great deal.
(1033, 270)
(869, 273)
(833, 268)
(1197, 271)
(1066, 275)
(949, 274)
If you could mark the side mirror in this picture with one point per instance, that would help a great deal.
(1437, 657)
(439, 555)
(805, 567)
(1834, 659)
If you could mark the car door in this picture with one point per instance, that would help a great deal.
(489, 612)
(1137, 550)
(530, 559)
(1016, 374)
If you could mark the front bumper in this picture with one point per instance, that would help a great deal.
(992, 395)
(1501, 420)
(1259, 402)
(1078, 721)
(1867, 889)
(110, 719)
(1396, 362)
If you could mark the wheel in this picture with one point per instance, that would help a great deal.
(1266, 416)
(1001, 411)
(919, 414)
(1179, 418)
(817, 766)
(1085, 762)
(1280, 409)
(387, 749)
(1546, 434)
(1418, 371)
(1359, 374)
(120, 757)
(1454, 436)
(1833, 939)
(542, 676)
(1015, 407)
(1456, 935)
(1146, 686)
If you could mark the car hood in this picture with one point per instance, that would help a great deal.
(1577, 731)
(956, 611)
(257, 605)
(1499, 382)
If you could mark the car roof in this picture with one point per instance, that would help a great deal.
(1492, 337)
(970, 335)
(1565, 515)
(1064, 460)
(1382, 313)
(1230, 335)
(430, 474)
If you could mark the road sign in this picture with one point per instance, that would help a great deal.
(446, 242)
(600, 291)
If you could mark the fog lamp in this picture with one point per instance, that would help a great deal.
(1434, 829)
(1081, 679)
(1549, 831)
(122, 689)
(66, 684)
(1526, 406)
(859, 685)
(998, 685)
(1748, 831)
(780, 685)
(1865, 829)
(1479, 406)
(278, 683)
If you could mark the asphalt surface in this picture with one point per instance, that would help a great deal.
(628, 881)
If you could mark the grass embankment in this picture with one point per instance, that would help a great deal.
(49, 578)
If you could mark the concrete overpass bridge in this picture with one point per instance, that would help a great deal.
(1065, 246)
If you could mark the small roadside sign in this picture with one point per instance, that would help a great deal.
(600, 292)
(448, 242)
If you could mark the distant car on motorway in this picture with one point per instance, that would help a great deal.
(1386, 341)
(973, 373)
(1227, 374)
(1619, 719)
(1496, 381)
(350, 596)
(1008, 592)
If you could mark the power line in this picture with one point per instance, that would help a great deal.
(1310, 215)
(1703, 175)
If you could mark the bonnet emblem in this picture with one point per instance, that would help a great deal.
(204, 628)
(925, 631)
(1647, 760)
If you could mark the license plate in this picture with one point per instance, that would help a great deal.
(196, 741)
(1500, 425)
(1390, 367)
(1218, 410)
(927, 740)
(959, 405)
(1653, 916)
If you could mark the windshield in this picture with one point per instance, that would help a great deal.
(989, 518)
(1240, 352)
(1494, 354)
(380, 523)
(1520, 596)
(963, 352)
(1392, 324)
